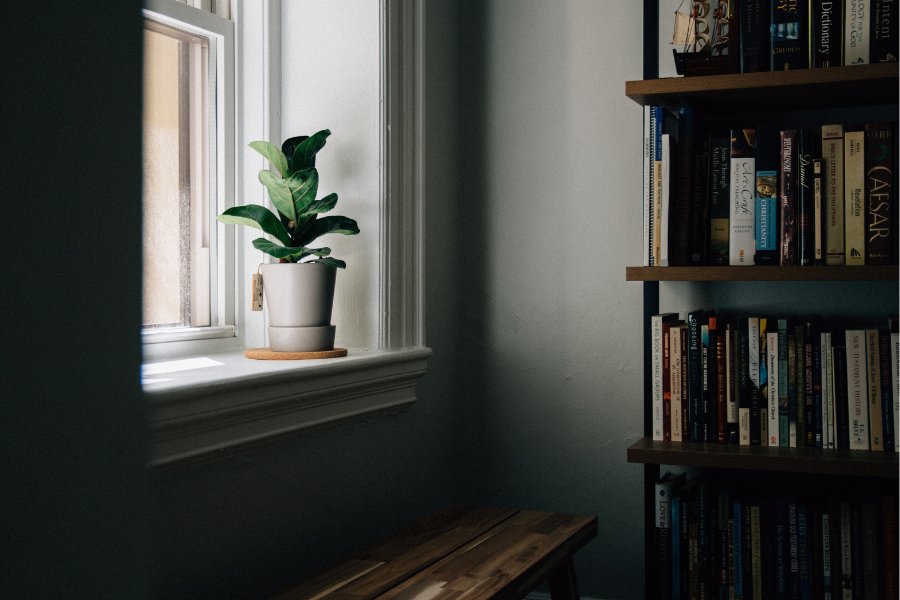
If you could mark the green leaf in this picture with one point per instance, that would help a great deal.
(288, 147)
(280, 252)
(331, 262)
(279, 193)
(304, 156)
(322, 205)
(319, 227)
(303, 185)
(260, 217)
(273, 154)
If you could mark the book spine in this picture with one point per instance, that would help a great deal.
(857, 394)
(655, 244)
(742, 384)
(889, 547)
(883, 32)
(754, 35)
(763, 385)
(741, 238)
(833, 155)
(766, 213)
(884, 370)
(685, 394)
(710, 392)
(871, 572)
(666, 383)
(695, 377)
(656, 340)
(677, 365)
(826, 33)
(854, 197)
(772, 393)
(682, 150)
(731, 417)
(880, 196)
(856, 32)
(721, 388)
(783, 399)
(664, 490)
(803, 550)
(846, 552)
(647, 231)
(841, 399)
(793, 575)
(674, 573)
(665, 187)
(789, 46)
(895, 386)
(805, 210)
(756, 551)
(787, 190)
(830, 440)
(816, 344)
(753, 381)
(793, 433)
(781, 557)
(873, 385)
(825, 524)
(818, 183)
(705, 366)
(737, 512)
(809, 413)
(698, 208)
(719, 193)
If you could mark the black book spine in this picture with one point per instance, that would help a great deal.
(887, 400)
(789, 35)
(698, 209)
(787, 190)
(840, 397)
(817, 387)
(883, 33)
(767, 204)
(695, 377)
(719, 209)
(805, 202)
(809, 418)
(826, 33)
(754, 35)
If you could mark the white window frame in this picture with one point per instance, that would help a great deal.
(159, 343)
(209, 413)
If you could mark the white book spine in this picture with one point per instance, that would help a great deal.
(856, 32)
(773, 376)
(854, 198)
(656, 340)
(857, 392)
(833, 154)
(675, 367)
(741, 236)
(873, 383)
(828, 426)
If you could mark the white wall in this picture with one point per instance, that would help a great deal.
(551, 212)
(339, 90)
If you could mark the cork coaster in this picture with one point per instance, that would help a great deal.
(269, 354)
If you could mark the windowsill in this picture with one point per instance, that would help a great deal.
(225, 403)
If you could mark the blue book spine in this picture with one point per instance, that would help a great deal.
(675, 510)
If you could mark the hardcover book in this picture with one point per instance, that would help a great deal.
(774, 426)
(833, 155)
(880, 196)
(818, 183)
(789, 45)
(754, 35)
(787, 190)
(883, 46)
(719, 207)
(805, 203)
(656, 340)
(753, 375)
(873, 385)
(741, 237)
(857, 392)
(698, 208)
(767, 207)
(854, 197)
(695, 376)
(887, 400)
(783, 399)
(826, 33)
(856, 32)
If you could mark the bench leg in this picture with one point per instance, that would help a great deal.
(563, 585)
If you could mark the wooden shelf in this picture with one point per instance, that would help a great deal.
(762, 458)
(859, 85)
(760, 273)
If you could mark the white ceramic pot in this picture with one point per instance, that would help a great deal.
(299, 298)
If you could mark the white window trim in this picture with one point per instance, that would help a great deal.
(220, 32)
(201, 415)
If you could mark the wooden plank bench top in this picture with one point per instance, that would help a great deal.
(470, 553)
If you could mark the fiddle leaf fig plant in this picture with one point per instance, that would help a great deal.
(292, 185)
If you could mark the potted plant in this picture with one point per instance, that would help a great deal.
(299, 289)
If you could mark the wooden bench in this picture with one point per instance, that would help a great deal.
(462, 552)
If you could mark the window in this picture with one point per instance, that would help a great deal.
(187, 142)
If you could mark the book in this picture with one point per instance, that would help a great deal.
(789, 36)
(698, 206)
(826, 33)
(721, 428)
(889, 546)
(854, 197)
(674, 574)
(818, 410)
(841, 401)
(818, 184)
(873, 386)
(833, 156)
(783, 406)
(880, 197)
(829, 438)
(657, 117)
(809, 418)
(685, 396)
(895, 386)
(846, 552)
(767, 206)
(682, 154)
(753, 376)
(787, 190)
(771, 393)
(656, 340)
(665, 187)
(708, 358)
(885, 384)
(857, 392)
(794, 433)
(665, 488)
(742, 197)
(647, 229)
(695, 376)
(742, 383)
(676, 361)
(754, 35)
(883, 32)
(763, 384)
(719, 198)
(731, 406)
(856, 32)
(667, 380)
(806, 215)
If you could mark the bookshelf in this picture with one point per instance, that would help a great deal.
(850, 90)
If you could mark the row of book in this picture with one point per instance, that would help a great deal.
(718, 543)
(774, 35)
(766, 196)
(759, 381)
